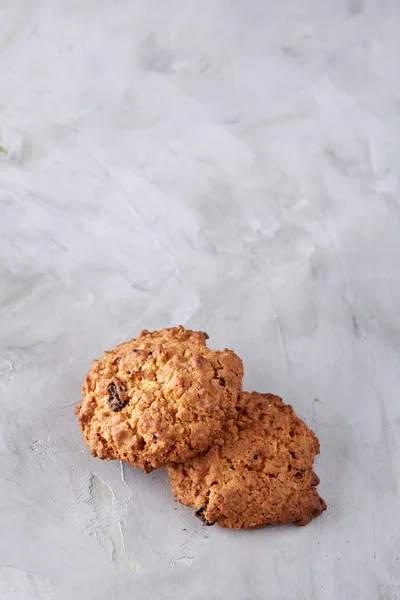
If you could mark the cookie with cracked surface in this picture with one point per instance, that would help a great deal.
(258, 472)
(160, 398)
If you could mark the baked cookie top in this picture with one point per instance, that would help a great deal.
(160, 398)
(258, 472)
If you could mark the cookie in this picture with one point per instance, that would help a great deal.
(160, 398)
(258, 472)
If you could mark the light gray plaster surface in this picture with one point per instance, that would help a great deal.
(233, 167)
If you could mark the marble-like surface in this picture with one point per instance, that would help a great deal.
(231, 166)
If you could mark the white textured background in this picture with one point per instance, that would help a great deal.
(234, 167)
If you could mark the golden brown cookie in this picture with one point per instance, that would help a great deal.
(258, 472)
(160, 398)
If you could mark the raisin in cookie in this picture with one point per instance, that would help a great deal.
(160, 398)
(258, 472)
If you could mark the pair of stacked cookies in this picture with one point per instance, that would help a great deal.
(166, 400)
